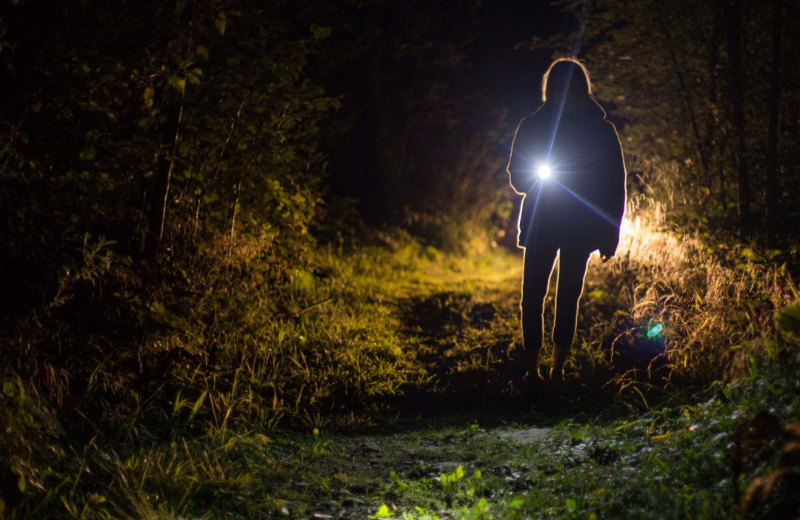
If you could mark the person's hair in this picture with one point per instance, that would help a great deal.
(566, 75)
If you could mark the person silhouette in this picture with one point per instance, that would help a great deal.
(567, 162)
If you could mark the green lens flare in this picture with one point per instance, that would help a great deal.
(655, 330)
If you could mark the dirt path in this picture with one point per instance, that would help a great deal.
(475, 441)
(440, 473)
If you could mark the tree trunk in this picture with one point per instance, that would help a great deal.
(170, 137)
(685, 95)
(163, 176)
(772, 132)
(733, 30)
(712, 120)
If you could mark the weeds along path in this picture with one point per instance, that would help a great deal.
(462, 319)
(674, 462)
(384, 339)
(462, 440)
(465, 441)
(416, 333)
(393, 377)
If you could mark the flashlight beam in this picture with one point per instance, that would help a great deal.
(589, 205)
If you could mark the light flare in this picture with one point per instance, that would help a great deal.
(655, 330)
(544, 171)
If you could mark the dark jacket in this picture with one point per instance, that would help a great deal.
(583, 201)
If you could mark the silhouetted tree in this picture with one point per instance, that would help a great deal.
(732, 12)
(774, 109)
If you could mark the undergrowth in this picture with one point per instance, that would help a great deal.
(114, 377)
(694, 460)
(147, 394)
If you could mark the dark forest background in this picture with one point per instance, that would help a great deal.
(170, 171)
(166, 126)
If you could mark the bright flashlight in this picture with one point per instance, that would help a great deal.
(544, 171)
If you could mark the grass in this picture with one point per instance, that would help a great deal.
(380, 381)
(329, 349)
(669, 463)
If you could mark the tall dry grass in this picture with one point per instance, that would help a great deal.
(715, 299)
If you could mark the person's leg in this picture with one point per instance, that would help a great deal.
(571, 271)
(539, 261)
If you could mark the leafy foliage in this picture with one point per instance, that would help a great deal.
(787, 320)
(182, 282)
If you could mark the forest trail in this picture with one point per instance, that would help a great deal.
(402, 398)
(430, 472)
(465, 441)
(470, 443)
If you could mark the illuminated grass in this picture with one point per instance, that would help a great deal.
(361, 339)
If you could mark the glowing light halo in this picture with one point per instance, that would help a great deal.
(544, 171)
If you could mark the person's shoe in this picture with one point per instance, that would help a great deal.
(556, 375)
(532, 371)
(534, 375)
(560, 354)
